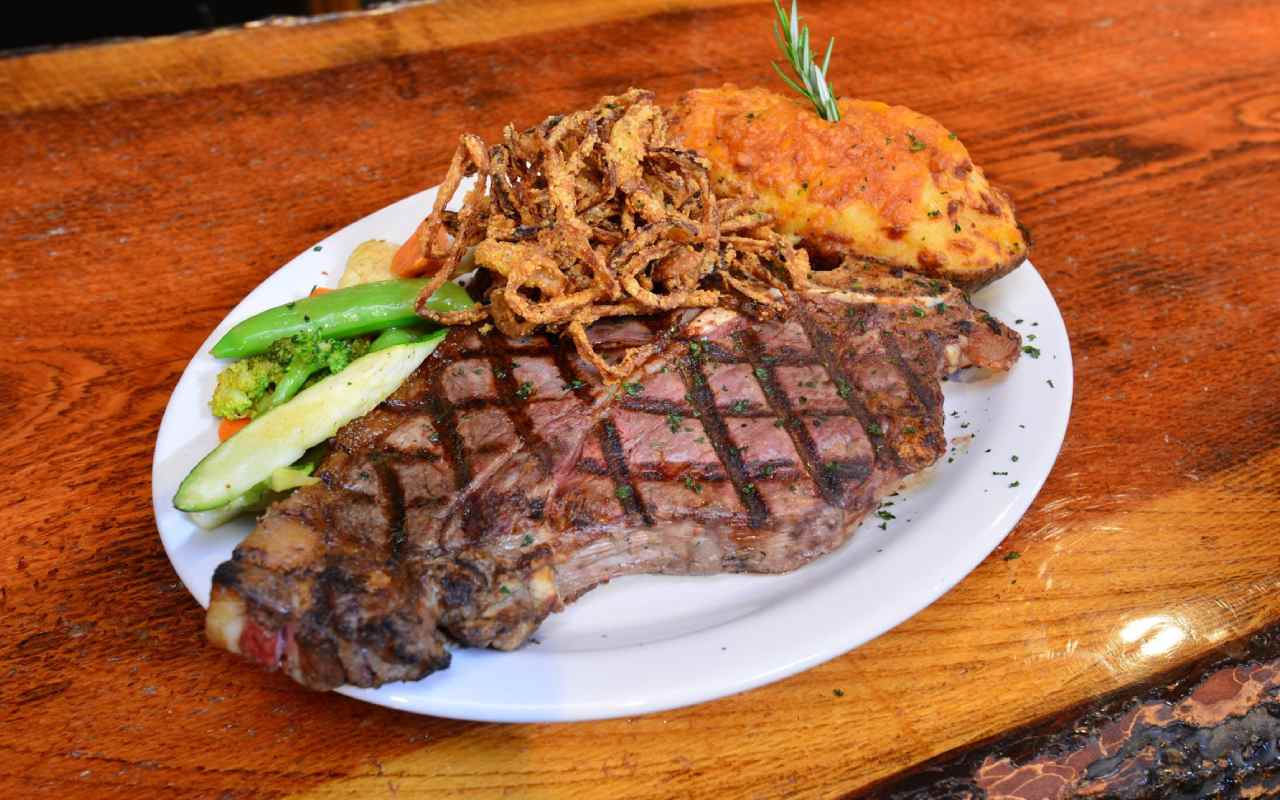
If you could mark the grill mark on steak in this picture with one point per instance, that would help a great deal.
(624, 490)
(821, 343)
(826, 480)
(928, 400)
(923, 397)
(445, 420)
(656, 407)
(434, 522)
(562, 352)
(508, 393)
(392, 498)
(615, 463)
(700, 397)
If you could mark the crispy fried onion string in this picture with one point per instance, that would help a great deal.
(592, 215)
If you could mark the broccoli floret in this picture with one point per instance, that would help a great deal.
(252, 386)
(243, 384)
(308, 348)
(339, 353)
(299, 347)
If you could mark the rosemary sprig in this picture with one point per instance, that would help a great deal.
(793, 39)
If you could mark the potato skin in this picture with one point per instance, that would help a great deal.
(884, 183)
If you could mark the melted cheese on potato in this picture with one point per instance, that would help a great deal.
(884, 182)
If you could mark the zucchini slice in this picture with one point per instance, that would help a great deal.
(279, 437)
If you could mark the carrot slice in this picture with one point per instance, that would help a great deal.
(405, 262)
(230, 427)
(319, 290)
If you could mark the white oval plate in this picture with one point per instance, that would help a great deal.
(649, 643)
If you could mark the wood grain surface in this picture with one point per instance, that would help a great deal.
(150, 185)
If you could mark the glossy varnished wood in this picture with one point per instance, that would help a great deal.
(149, 185)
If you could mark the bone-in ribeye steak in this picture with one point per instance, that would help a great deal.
(502, 480)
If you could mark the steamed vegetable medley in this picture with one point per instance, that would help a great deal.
(280, 401)
(255, 385)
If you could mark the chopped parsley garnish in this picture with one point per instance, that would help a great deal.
(692, 485)
(761, 373)
(695, 348)
(951, 136)
(767, 470)
(874, 429)
(843, 389)
(935, 213)
(909, 429)
(739, 406)
(918, 311)
(1031, 350)
(632, 389)
(1012, 555)
(916, 144)
(749, 488)
(957, 227)
(623, 492)
(674, 421)
(940, 308)
(838, 692)
(1015, 484)
(1013, 458)
(573, 384)
(525, 391)
(527, 540)
(885, 515)
(504, 590)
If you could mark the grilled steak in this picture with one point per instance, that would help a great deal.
(503, 480)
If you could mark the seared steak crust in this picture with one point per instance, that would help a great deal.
(503, 480)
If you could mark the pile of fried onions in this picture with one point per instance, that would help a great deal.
(591, 215)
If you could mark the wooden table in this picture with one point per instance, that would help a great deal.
(1133, 647)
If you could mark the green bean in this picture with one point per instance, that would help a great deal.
(340, 314)
(400, 335)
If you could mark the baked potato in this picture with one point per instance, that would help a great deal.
(884, 183)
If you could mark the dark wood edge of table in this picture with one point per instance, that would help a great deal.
(1209, 728)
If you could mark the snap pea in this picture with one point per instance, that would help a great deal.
(340, 314)
(399, 335)
(294, 377)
